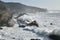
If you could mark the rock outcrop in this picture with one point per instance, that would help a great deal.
(5, 15)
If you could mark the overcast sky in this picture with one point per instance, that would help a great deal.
(49, 4)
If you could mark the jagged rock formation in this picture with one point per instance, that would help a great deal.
(5, 15)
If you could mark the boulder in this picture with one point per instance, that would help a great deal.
(26, 20)
(55, 35)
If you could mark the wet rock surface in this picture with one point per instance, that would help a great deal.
(54, 37)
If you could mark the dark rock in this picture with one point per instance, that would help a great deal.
(35, 39)
(13, 38)
(34, 23)
(1, 28)
(51, 23)
(22, 26)
(54, 37)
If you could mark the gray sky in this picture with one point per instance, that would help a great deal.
(49, 4)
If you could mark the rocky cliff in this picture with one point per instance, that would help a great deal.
(18, 7)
